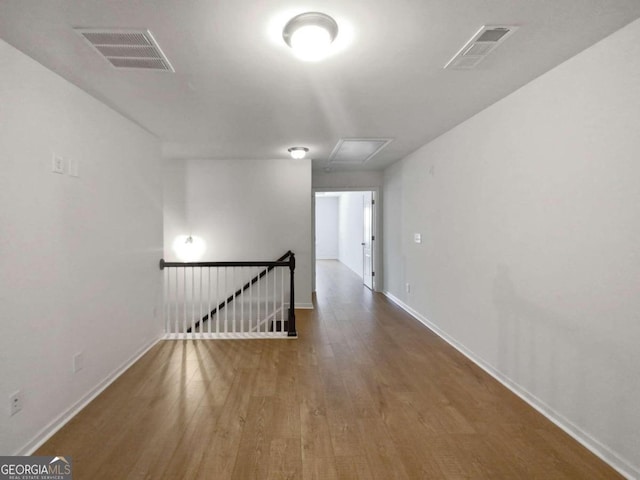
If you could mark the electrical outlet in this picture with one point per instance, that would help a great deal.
(57, 164)
(78, 362)
(15, 403)
(408, 287)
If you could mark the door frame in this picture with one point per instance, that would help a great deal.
(377, 232)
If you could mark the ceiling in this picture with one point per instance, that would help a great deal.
(238, 92)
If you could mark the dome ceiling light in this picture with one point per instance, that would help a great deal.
(310, 35)
(298, 152)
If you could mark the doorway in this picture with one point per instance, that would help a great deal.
(344, 231)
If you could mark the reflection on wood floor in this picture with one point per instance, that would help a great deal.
(364, 392)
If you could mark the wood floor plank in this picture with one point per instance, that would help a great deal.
(353, 468)
(364, 392)
(285, 459)
(382, 453)
(225, 442)
(318, 468)
(174, 456)
(252, 460)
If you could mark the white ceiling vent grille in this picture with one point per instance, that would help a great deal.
(127, 48)
(481, 44)
(357, 151)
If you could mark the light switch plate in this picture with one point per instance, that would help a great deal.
(57, 164)
(74, 167)
(417, 238)
(78, 362)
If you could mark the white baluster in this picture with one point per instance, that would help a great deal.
(165, 299)
(233, 290)
(193, 300)
(200, 304)
(266, 301)
(217, 300)
(226, 300)
(184, 299)
(242, 277)
(177, 305)
(250, 302)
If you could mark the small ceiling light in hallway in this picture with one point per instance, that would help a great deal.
(310, 35)
(298, 152)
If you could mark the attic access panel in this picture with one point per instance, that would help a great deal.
(357, 151)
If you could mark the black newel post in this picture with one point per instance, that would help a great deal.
(292, 299)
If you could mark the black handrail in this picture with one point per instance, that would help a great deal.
(280, 262)
(271, 265)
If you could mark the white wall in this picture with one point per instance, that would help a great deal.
(345, 180)
(530, 219)
(393, 256)
(327, 228)
(351, 229)
(244, 210)
(78, 256)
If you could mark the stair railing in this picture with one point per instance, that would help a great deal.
(255, 307)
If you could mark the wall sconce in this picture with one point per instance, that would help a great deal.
(189, 248)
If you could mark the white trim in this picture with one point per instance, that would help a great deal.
(225, 336)
(596, 447)
(61, 420)
(301, 306)
(378, 279)
(256, 328)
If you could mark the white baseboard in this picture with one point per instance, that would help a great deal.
(596, 447)
(47, 432)
(304, 306)
(301, 306)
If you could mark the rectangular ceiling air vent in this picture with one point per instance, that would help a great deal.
(481, 44)
(127, 48)
(357, 151)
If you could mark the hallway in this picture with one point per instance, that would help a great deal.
(364, 392)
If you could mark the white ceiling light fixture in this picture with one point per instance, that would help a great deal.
(298, 152)
(310, 35)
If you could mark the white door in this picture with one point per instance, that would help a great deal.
(367, 240)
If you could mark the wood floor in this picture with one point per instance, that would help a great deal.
(365, 392)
